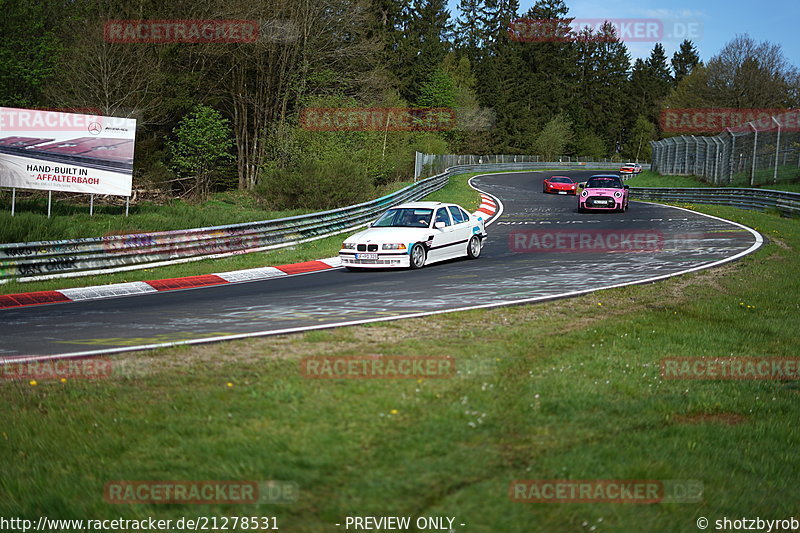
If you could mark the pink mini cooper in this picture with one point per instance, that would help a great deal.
(604, 192)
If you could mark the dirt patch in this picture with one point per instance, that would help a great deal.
(779, 242)
(729, 419)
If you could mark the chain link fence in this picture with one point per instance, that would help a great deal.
(430, 164)
(760, 152)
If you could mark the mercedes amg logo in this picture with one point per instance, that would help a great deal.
(95, 128)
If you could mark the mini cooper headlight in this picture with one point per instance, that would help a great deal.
(584, 193)
(617, 195)
(394, 246)
(349, 246)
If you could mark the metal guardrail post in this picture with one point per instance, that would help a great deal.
(732, 155)
(755, 148)
(685, 140)
(717, 158)
(777, 147)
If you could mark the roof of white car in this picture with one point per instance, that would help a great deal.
(427, 205)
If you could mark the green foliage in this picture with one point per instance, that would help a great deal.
(335, 181)
(391, 53)
(554, 138)
(438, 91)
(28, 53)
(424, 32)
(591, 145)
(638, 146)
(201, 148)
(685, 60)
(603, 63)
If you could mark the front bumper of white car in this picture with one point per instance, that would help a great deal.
(374, 259)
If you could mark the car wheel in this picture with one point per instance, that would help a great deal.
(474, 247)
(418, 256)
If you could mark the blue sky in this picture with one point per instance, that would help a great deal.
(717, 21)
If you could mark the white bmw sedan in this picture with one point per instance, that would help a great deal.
(413, 235)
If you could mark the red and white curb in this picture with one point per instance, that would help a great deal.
(487, 209)
(134, 288)
(488, 206)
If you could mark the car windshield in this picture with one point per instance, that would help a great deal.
(603, 183)
(404, 217)
(560, 180)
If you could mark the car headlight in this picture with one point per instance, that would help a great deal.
(617, 195)
(349, 246)
(584, 193)
(394, 246)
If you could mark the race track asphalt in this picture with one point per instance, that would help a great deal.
(513, 267)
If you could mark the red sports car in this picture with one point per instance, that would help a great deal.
(559, 185)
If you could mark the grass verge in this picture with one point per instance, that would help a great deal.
(648, 178)
(583, 400)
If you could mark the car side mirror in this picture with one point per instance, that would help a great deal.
(626, 186)
(582, 185)
(440, 225)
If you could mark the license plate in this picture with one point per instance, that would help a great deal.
(562, 192)
(366, 256)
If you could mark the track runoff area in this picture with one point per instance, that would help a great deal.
(539, 247)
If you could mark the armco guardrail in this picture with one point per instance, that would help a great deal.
(75, 257)
(788, 203)
(435, 163)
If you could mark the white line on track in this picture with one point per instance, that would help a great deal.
(759, 241)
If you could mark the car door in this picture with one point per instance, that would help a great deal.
(443, 243)
(463, 229)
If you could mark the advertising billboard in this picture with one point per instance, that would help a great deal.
(68, 152)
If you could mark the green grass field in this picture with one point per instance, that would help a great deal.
(569, 389)
(789, 182)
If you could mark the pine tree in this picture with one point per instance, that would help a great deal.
(501, 76)
(650, 84)
(550, 70)
(684, 60)
(659, 70)
(471, 30)
(603, 63)
(426, 33)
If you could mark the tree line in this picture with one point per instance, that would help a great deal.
(218, 115)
